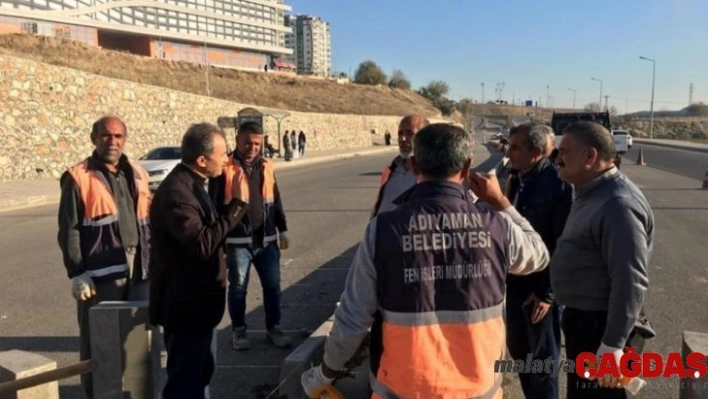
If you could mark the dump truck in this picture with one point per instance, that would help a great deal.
(561, 120)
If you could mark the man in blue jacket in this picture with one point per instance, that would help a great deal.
(536, 191)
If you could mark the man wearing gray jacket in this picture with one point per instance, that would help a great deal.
(599, 269)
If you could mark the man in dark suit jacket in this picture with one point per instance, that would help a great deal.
(187, 287)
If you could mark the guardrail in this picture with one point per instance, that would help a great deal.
(46, 377)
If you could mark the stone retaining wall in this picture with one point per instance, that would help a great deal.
(47, 112)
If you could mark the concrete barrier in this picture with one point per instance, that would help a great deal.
(692, 388)
(121, 346)
(17, 364)
(307, 354)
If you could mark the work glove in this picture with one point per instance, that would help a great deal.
(317, 386)
(284, 240)
(607, 381)
(82, 287)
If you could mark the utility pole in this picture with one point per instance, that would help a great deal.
(599, 104)
(653, 80)
(690, 94)
(606, 108)
(573, 90)
(482, 92)
(206, 68)
(548, 94)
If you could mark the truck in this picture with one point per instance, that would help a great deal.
(561, 120)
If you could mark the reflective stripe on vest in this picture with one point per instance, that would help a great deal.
(441, 327)
(234, 172)
(102, 251)
(411, 341)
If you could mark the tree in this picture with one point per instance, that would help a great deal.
(435, 90)
(699, 109)
(399, 80)
(466, 108)
(613, 110)
(369, 73)
(592, 107)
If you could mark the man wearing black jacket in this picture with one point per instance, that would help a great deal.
(188, 281)
(533, 320)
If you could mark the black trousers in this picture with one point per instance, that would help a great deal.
(583, 332)
(190, 363)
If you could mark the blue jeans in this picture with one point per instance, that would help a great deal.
(541, 340)
(267, 264)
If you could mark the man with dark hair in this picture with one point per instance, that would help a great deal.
(435, 267)
(188, 283)
(533, 320)
(104, 233)
(259, 237)
(599, 268)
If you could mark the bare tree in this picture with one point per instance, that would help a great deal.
(399, 80)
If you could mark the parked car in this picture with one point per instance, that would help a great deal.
(159, 162)
(624, 133)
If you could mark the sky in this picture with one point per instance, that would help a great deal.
(528, 45)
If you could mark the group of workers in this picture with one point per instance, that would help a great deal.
(212, 217)
(452, 269)
(446, 280)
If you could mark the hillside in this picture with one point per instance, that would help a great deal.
(266, 90)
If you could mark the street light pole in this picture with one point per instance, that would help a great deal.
(599, 104)
(573, 90)
(653, 80)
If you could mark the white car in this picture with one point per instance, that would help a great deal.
(624, 133)
(159, 162)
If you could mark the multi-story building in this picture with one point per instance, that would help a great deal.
(235, 33)
(311, 44)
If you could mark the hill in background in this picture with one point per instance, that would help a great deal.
(263, 89)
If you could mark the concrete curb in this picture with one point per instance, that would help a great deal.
(304, 356)
(37, 200)
(27, 202)
(334, 157)
(671, 145)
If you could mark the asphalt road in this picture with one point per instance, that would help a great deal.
(327, 205)
(682, 162)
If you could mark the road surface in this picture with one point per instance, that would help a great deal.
(682, 162)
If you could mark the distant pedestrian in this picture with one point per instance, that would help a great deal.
(286, 146)
(293, 143)
(599, 267)
(188, 284)
(301, 143)
(104, 227)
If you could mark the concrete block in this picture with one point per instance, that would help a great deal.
(17, 364)
(120, 345)
(691, 388)
(307, 354)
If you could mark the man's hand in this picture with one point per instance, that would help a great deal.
(236, 188)
(222, 277)
(82, 287)
(540, 308)
(284, 240)
(486, 187)
(608, 381)
(317, 385)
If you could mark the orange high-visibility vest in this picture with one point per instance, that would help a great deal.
(242, 234)
(102, 248)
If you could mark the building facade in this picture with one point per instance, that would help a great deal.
(234, 33)
(310, 42)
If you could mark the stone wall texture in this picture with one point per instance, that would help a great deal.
(46, 114)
